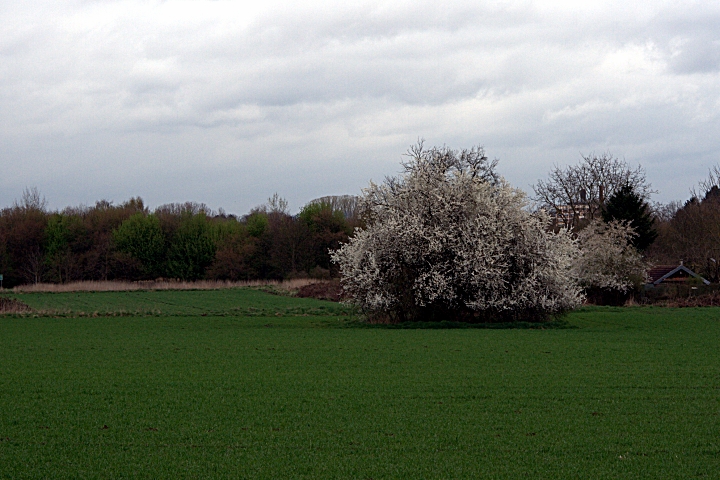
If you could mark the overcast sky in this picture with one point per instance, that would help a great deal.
(227, 103)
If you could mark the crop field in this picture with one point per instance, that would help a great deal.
(244, 384)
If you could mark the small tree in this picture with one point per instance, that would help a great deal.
(609, 267)
(449, 240)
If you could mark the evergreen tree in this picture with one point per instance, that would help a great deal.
(626, 205)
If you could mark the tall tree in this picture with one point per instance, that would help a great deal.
(625, 205)
(692, 233)
(576, 194)
(141, 237)
(60, 232)
(22, 236)
(328, 229)
(192, 248)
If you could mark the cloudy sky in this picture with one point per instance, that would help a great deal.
(226, 103)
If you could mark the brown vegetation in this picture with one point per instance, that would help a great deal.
(322, 290)
(11, 305)
(160, 284)
(707, 300)
(188, 242)
(692, 235)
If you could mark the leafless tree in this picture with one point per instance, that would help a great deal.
(664, 212)
(692, 236)
(690, 232)
(33, 267)
(576, 194)
(710, 186)
(277, 204)
(32, 200)
(187, 208)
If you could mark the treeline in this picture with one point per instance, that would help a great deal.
(188, 241)
(690, 233)
(605, 187)
(179, 241)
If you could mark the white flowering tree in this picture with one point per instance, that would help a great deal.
(449, 240)
(608, 262)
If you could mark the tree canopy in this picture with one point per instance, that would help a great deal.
(451, 240)
(577, 193)
(625, 205)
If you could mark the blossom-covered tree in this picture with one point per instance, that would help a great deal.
(450, 240)
(609, 266)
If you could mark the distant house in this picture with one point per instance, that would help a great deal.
(572, 214)
(672, 274)
(569, 215)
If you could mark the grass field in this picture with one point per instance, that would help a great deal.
(232, 302)
(266, 386)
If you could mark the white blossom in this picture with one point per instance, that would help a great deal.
(607, 258)
(450, 240)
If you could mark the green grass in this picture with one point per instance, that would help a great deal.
(630, 393)
(237, 301)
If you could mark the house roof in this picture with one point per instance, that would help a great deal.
(660, 273)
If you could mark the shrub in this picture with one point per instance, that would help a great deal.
(609, 265)
(449, 240)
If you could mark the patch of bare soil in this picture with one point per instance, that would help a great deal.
(11, 305)
(324, 290)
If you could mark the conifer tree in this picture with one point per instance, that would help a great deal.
(626, 205)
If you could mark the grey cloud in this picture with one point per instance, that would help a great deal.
(696, 55)
(296, 96)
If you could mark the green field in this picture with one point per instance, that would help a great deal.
(233, 302)
(243, 384)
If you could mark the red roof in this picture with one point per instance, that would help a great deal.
(660, 271)
(672, 273)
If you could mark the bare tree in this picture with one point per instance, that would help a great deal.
(710, 187)
(692, 236)
(690, 232)
(32, 200)
(187, 208)
(664, 212)
(277, 204)
(576, 194)
(33, 267)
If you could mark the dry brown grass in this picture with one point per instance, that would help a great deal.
(324, 290)
(631, 302)
(11, 305)
(708, 300)
(120, 286)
